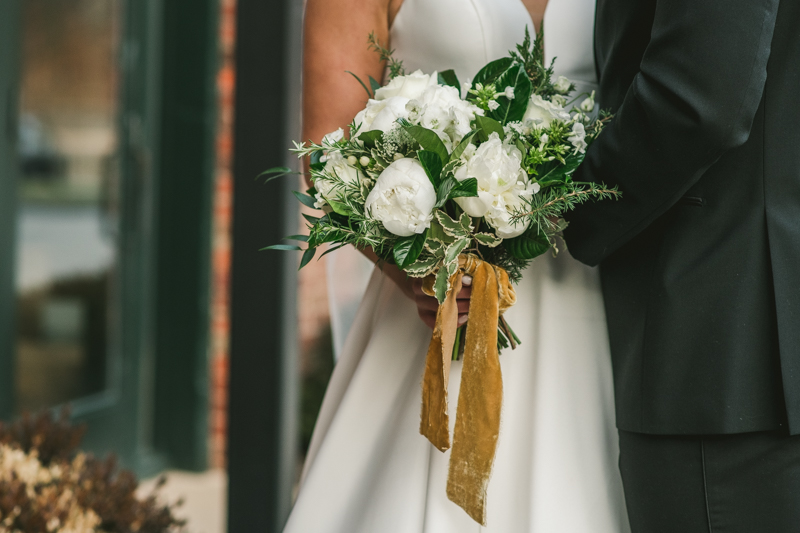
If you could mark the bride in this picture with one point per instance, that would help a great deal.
(368, 469)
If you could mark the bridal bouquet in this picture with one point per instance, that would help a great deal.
(444, 178)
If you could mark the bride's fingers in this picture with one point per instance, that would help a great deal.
(428, 317)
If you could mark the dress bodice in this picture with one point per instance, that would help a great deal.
(466, 34)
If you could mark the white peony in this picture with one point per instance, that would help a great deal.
(381, 114)
(403, 198)
(409, 86)
(503, 186)
(543, 112)
(336, 166)
(562, 85)
(333, 137)
(441, 109)
(578, 137)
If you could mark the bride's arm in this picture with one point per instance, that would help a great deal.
(335, 41)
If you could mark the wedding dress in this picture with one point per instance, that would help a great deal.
(368, 469)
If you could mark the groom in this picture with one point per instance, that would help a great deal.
(700, 259)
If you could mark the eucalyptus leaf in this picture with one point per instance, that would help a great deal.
(305, 199)
(492, 71)
(529, 245)
(428, 140)
(407, 249)
(432, 164)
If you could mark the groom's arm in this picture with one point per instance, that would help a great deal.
(695, 97)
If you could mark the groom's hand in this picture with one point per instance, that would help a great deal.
(427, 306)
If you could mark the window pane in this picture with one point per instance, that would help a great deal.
(66, 246)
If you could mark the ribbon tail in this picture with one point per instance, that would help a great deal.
(434, 420)
(477, 424)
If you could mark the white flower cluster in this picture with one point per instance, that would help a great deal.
(337, 170)
(418, 98)
(503, 186)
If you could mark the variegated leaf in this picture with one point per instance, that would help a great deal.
(423, 268)
(451, 227)
(487, 239)
(451, 255)
(442, 284)
(437, 233)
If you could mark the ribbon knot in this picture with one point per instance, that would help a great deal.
(477, 425)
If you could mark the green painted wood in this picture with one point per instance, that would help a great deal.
(9, 73)
(190, 58)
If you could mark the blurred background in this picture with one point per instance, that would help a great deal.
(131, 285)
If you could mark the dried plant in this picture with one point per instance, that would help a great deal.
(46, 485)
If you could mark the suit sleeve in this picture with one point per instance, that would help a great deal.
(695, 96)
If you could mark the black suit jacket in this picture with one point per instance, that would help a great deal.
(700, 260)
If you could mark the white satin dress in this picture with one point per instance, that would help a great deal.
(368, 469)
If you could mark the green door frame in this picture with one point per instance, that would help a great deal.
(9, 69)
(155, 412)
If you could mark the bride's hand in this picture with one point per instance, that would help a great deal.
(427, 306)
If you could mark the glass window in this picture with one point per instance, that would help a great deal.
(66, 245)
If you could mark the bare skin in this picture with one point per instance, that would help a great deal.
(335, 41)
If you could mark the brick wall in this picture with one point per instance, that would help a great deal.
(312, 302)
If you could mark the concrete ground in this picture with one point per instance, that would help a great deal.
(204, 495)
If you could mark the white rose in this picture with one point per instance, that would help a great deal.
(381, 114)
(543, 112)
(336, 166)
(409, 86)
(578, 137)
(562, 85)
(559, 100)
(403, 198)
(502, 184)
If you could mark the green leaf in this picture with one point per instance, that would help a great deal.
(278, 172)
(458, 246)
(487, 126)
(561, 173)
(407, 249)
(301, 238)
(316, 156)
(307, 257)
(332, 249)
(306, 200)
(369, 93)
(465, 189)
(529, 245)
(487, 239)
(428, 140)
(448, 77)
(311, 219)
(452, 227)
(340, 209)
(432, 164)
(369, 137)
(513, 110)
(445, 188)
(441, 284)
(492, 71)
(462, 146)
(424, 267)
(373, 83)
(290, 247)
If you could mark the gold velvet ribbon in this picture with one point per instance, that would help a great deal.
(477, 423)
